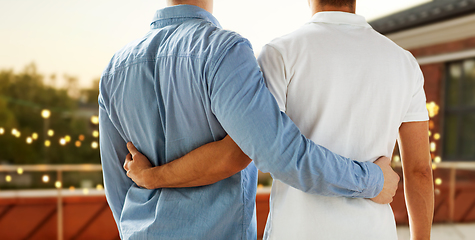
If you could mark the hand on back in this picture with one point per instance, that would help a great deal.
(391, 181)
(138, 166)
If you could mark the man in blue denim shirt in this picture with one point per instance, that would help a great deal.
(186, 83)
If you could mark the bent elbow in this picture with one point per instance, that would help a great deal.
(236, 162)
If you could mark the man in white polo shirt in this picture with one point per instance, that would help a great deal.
(353, 91)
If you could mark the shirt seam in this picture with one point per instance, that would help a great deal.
(135, 62)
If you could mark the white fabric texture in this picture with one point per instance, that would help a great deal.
(348, 88)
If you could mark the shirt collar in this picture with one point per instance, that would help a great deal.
(340, 18)
(180, 13)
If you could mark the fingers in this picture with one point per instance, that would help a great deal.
(132, 149)
(128, 159)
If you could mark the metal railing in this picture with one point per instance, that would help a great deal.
(59, 169)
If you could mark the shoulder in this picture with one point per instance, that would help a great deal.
(289, 39)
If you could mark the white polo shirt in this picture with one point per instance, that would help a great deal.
(348, 88)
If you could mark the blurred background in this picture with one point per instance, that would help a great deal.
(52, 53)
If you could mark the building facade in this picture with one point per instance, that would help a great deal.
(441, 35)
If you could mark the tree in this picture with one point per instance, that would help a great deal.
(23, 96)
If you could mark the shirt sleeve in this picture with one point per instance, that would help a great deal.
(417, 111)
(250, 115)
(113, 152)
(273, 68)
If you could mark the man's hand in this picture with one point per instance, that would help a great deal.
(391, 181)
(138, 166)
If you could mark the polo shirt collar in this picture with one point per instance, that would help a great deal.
(181, 13)
(342, 18)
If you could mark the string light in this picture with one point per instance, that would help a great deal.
(433, 109)
(45, 178)
(29, 140)
(47, 143)
(62, 141)
(396, 158)
(45, 113)
(57, 184)
(95, 120)
(8, 178)
(72, 188)
(438, 181)
(437, 159)
(50, 132)
(77, 143)
(67, 138)
(95, 133)
(94, 145)
(19, 171)
(433, 147)
(99, 187)
(436, 136)
(34, 136)
(2, 131)
(85, 191)
(434, 166)
(81, 137)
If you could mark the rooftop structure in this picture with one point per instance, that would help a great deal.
(425, 14)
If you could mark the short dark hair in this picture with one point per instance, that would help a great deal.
(338, 3)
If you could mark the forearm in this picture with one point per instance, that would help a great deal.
(419, 192)
(249, 113)
(205, 165)
(417, 168)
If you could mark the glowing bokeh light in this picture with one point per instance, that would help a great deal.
(396, 158)
(433, 109)
(437, 136)
(50, 132)
(45, 178)
(19, 171)
(8, 178)
(47, 143)
(45, 113)
(67, 138)
(58, 184)
(438, 181)
(77, 143)
(62, 141)
(2, 131)
(433, 147)
(94, 145)
(95, 120)
(81, 137)
(34, 136)
(29, 140)
(99, 187)
(95, 133)
(437, 159)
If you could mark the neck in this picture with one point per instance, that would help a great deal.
(205, 4)
(316, 7)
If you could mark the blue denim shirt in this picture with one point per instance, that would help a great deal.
(186, 83)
